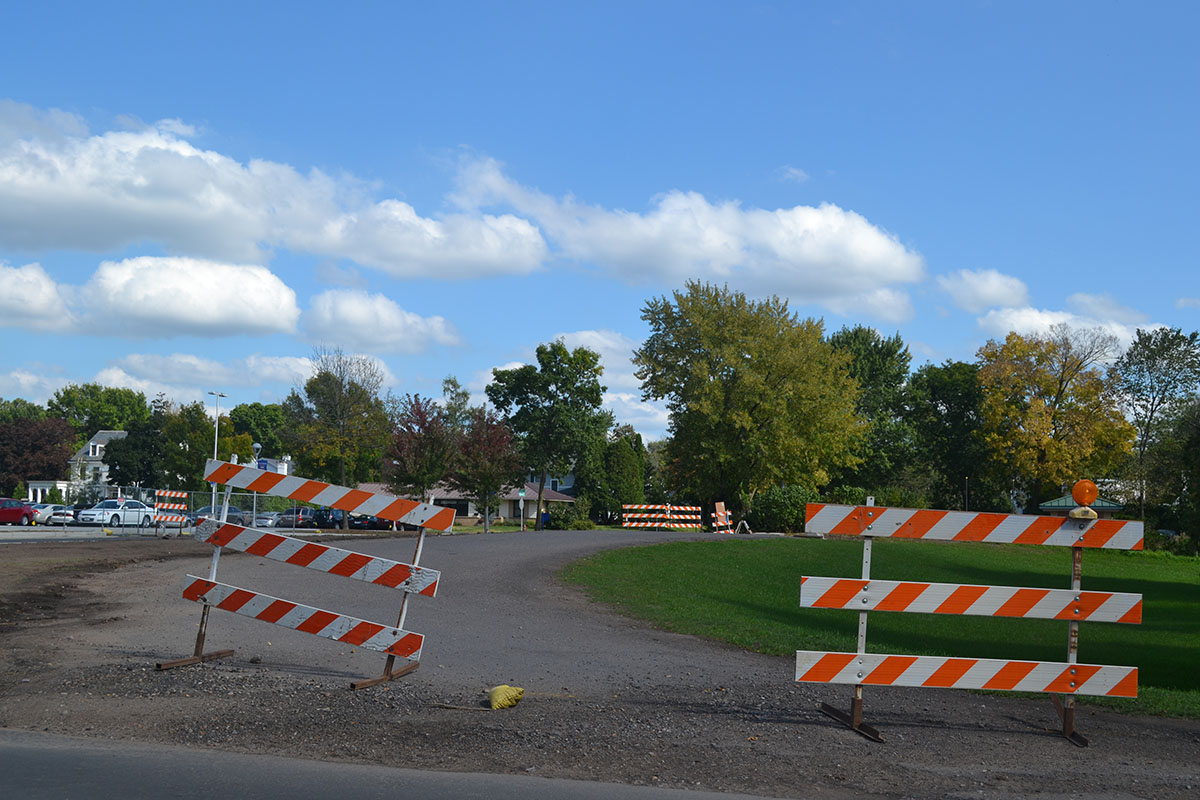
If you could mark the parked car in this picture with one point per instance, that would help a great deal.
(79, 508)
(43, 511)
(235, 515)
(15, 512)
(64, 516)
(361, 522)
(266, 519)
(329, 518)
(119, 512)
(297, 517)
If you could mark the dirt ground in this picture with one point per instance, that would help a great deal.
(71, 663)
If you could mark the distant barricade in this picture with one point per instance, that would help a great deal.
(661, 517)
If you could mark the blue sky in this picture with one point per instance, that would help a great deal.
(192, 198)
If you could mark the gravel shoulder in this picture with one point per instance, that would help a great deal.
(82, 625)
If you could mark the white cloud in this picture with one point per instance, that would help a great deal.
(815, 254)
(36, 386)
(31, 299)
(184, 369)
(794, 174)
(1104, 306)
(978, 290)
(999, 322)
(1188, 302)
(63, 188)
(373, 322)
(648, 419)
(186, 296)
(149, 385)
(891, 305)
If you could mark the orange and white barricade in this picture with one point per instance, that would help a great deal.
(1079, 531)
(410, 579)
(661, 517)
(722, 520)
(167, 501)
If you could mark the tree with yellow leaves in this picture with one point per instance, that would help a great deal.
(1049, 416)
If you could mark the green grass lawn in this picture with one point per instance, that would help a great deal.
(747, 592)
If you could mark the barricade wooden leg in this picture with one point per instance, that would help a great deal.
(198, 655)
(388, 673)
(1066, 708)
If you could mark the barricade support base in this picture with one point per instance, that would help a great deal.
(853, 720)
(1067, 715)
(200, 659)
(389, 675)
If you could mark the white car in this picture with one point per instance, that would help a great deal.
(42, 512)
(117, 513)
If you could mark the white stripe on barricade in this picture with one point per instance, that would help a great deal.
(306, 619)
(877, 669)
(968, 599)
(323, 558)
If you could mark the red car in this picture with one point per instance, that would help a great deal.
(15, 512)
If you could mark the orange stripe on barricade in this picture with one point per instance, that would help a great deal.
(901, 597)
(950, 673)
(962, 599)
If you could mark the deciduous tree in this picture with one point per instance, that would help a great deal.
(944, 411)
(337, 426)
(90, 407)
(488, 462)
(423, 447)
(263, 423)
(756, 396)
(1049, 415)
(554, 408)
(1159, 371)
(36, 449)
(880, 366)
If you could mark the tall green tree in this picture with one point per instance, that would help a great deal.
(1050, 416)
(263, 423)
(456, 401)
(943, 407)
(756, 396)
(90, 407)
(1159, 371)
(611, 472)
(337, 426)
(554, 408)
(880, 366)
(18, 409)
(488, 462)
(137, 459)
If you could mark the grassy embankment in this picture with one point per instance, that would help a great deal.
(746, 592)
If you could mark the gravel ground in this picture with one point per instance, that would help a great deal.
(81, 626)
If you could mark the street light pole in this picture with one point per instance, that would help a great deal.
(216, 423)
(257, 448)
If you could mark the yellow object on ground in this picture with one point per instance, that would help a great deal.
(505, 696)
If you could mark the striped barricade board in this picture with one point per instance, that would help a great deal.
(876, 669)
(352, 501)
(966, 526)
(321, 557)
(306, 619)
(952, 598)
(722, 522)
(1079, 531)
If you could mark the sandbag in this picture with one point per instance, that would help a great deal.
(505, 696)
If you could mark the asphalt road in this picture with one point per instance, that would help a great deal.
(38, 766)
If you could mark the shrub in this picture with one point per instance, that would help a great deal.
(780, 508)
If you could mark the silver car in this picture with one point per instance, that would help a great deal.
(117, 513)
(42, 512)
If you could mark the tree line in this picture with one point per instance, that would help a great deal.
(766, 412)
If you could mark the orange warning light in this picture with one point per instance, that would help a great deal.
(1084, 492)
